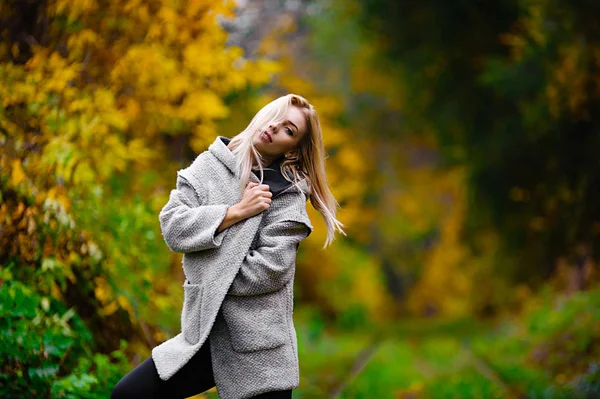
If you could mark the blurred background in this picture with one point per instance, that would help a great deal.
(464, 150)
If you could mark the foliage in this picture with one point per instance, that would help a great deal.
(100, 100)
(98, 94)
(509, 89)
(47, 350)
(550, 350)
(554, 348)
(463, 164)
(404, 204)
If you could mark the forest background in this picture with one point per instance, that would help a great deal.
(463, 142)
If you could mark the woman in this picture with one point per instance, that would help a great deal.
(239, 236)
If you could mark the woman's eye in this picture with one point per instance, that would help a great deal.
(287, 129)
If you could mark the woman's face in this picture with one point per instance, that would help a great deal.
(277, 139)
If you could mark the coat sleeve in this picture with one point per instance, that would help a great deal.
(269, 266)
(187, 223)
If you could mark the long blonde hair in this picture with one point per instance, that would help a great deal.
(306, 161)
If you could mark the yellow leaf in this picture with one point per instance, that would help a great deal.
(18, 175)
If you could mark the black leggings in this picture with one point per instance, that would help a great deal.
(193, 378)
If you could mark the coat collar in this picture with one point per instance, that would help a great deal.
(219, 149)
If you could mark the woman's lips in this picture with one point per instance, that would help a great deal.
(266, 137)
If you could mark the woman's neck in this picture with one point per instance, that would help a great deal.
(267, 161)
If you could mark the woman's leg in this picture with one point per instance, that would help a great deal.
(143, 381)
(193, 378)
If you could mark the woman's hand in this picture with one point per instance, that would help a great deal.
(255, 199)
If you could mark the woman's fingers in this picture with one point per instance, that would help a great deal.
(262, 187)
(256, 198)
(250, 186)
(262, 193)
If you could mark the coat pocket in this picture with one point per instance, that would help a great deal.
(190, 315)
(256, 322)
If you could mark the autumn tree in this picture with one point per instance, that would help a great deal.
(510, 90)
(102, 101)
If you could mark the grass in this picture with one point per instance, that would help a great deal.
(551, 351)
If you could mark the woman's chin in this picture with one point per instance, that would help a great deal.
(258, 144)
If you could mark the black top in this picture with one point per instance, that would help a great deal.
(272, 175)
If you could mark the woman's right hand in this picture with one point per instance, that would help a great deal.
(255, 199)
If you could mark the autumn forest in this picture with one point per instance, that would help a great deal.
(463, 147)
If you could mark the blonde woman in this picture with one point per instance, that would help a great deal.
(238, 214)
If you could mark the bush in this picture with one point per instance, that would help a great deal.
(46, 349)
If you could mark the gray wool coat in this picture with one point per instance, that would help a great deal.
(238, 291)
